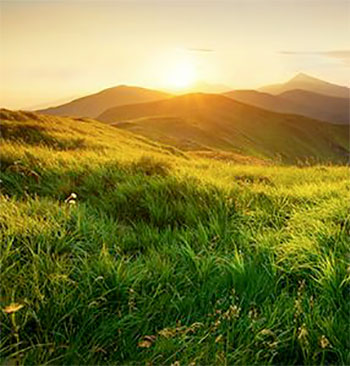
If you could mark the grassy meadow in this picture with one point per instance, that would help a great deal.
(119, 250)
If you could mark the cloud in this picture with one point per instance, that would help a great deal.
(342, 55)
(200, 50)
(345, 54)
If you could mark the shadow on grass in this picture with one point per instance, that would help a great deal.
(37, 135)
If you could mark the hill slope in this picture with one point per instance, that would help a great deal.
(208, 121)
(95, 104)
(159, 258)
(313, 105)
(308, 83)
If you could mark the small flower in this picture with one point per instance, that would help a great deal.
(71, 198)
(324, 342)
(147, 341)
(145, 344)
(72, 202)
(12, 308)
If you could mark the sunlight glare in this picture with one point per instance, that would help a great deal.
(181, 74)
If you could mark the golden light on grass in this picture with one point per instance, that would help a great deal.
(12, 308)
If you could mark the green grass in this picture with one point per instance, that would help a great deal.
(205, 262)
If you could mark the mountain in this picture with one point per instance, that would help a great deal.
(314, 105)
(215, 122)
(323, 107)
(308, 83)
(94, 104)
(262, 100)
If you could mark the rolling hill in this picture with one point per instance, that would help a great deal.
(310, 104)
(93, 105)
(308, 83)
(117, 250)
(210, 121)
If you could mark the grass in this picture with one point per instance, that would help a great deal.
(164, 257)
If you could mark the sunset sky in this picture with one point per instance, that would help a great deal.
(52, 51)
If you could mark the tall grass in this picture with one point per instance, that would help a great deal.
(165, 258)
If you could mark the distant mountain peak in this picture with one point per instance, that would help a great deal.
(301, 76)
(308, 83)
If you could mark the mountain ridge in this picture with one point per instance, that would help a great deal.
(298, 101)
(200, 121)
(308, 83)
(94, 104)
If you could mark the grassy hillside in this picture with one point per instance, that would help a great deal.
(95, 104)
(309, 104)
(323, 107)
(209, 121)
(160, 257)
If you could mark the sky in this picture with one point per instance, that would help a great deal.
(54, 51)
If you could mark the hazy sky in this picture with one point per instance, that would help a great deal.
(51, 51)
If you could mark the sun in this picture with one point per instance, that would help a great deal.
(181, 75)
